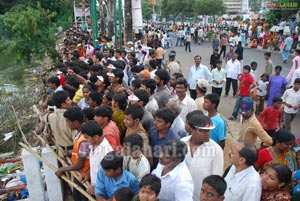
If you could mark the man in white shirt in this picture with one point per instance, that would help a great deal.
(198, 71)
(149, 85)
(176, 181)
(200, 35)
(204, 157)
(233, 71)
(291, 101)
(243, 181)
(187, 104)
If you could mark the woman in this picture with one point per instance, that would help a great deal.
(274, 183)
(277, 84)
(83, 103)
(281, 152)
(296, 63)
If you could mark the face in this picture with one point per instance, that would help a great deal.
(245, 71)
(86, 92)
(100, 120)
(200, 135)
(285, 146)
(270, 180)
(112, 79)
(146, 194)
(91, 140)
(129, 121)
(219, 65)
(157, 80)
(296, 86)
(71, 124)
(277, 105)
(160, 124)
(126, 150)
(234, 57)
(197, 61)
(172, 81)
(67, 104)
(110, 173)
(99, 83)
(164, 158)
(277, 71)
(180, 90)
(51, 85)
(208, 193)
(207, 105)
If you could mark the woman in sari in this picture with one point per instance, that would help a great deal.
(281, 152)
(274, 183)
(296, 64)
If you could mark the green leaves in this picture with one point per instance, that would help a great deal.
(210, 7)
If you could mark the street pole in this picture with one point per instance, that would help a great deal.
(120, 15)
(115, 24)
(94, 20)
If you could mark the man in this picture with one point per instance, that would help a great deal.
(176, 60)
(103, 116)
(172, 84)
(203, 153)
(213, 188)
(288, 42)
(149, 85)
(161, 132)
(223, 44)
(176, 181)
(233, 72)
(200, 35)
(251, 128)
(187, 104)
(133, 116)
(173, 66)
(159, 55)
(152, 56)
(112, 176)
(214, 58)
(240, 51)
(269, 64)
(162, 93)
(54, 84)
(229, 54)
(198, 71)
(243, 181)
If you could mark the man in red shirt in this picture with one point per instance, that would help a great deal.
(246, 83)
(271, 117)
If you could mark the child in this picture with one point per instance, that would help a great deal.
(262, 86)
(253, 70)
(86, 90)
(271, 117)
(123, 194)
(218, 78)
(150, 186)
(134, 160)
(213, 188)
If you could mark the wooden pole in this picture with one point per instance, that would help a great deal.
(19, 126)
(63, 177)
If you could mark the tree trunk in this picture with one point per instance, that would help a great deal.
(110, 18)
(128, 21)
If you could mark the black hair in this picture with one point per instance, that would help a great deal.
(134, 141)
(283, 135)
(249, 153)
(153, 63)
(277, 99)
(151, 181)
(118, 73)
(198, 120)
(213, 98)
(136, 69)
(84, 66)
(176, 149)
(123, 194)
(121, 99)
(177, 75)
(112, 160)
(278, 67)
(284, 174)
(109, 96)
(217, 183)
(142, 95)
(89, 113)
(97, 97)
(91, 128)
(59, 98)
(104, 111)
(166, 114)
(73, 81)
(265, 74)
(87, 87)
(219, 61)
(74, 114)
(136, 83)
(54, 80)
(253, 63)
(247, 67)
(149, 83)
(297, 81)
(195, 112)
(267, 54)
(163, 75)
(136, 111)
(183, 81)
(70, 90)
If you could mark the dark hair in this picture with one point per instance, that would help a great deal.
(97, 97)
(198, 120)
(136, 83)
(267, 54)
(109, 96)
(91, 128)
(73, 81)
(176, 149)
(104, 111)
(195, 112)
(283, 135)
(297, 81)
(284, 174)
(121, 99)
(217, 182)
(59, 98)
(277, 99)
(149, 83)
(219, 61)
(253, 63)
(134, 141)
(135, 69)
(163, 75)
(265, 74)
(249, 153)
(177, 75)
(151, 181)
(213, 98)
(153, 63)
(71, 91)
(89, 113)
(123, 194)
(183, 81)
(74, 114)
(118, 73)
(247, 67)
(166, 114)
(136, 111)
(54, 80)
(278, 67)
(112, 160)
(142, 95)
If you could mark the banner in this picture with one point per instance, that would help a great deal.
(152, 2)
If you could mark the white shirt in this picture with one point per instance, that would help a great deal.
(296, 75)
(263, 87)
(218, 75)
(201, 72)
(207, 160)
(243, 186)
(253, 73)
(96, 157)
(187, 105)
(138, 167)
(152, 105)
(178, 127)
(200, 33)
(152, 74)
(176, 185)
(233, 69)
(291, 97)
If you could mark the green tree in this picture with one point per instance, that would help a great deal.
(255, 5)
(177, 7)
(32, 32)
(146, 9)
(210, 7)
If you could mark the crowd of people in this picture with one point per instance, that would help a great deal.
(138, 129)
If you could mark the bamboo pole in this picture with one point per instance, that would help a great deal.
(63, 177)
(19, 126)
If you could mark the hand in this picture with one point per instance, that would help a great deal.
(71, 72)
(67, 153)
(289, 105)
(84, 177)
(91, 190)
(59, 172)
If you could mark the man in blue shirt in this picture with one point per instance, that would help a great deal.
(288, 42)
(161, 132)
(112, 176)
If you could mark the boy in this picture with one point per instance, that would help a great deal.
(253, 70)
(213, 188)
(134, 160)
(271, 117)
(269, 64)
(150, 186)
(218, 78)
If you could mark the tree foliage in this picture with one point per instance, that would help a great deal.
(31, 32)
(146, 9)
(176, 7)
(255, 5)
(210, 7)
